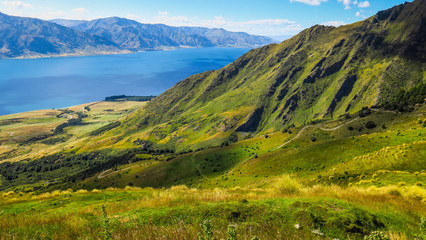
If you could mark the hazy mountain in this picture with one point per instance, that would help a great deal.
(67, 22)
(131, 34)
(281, 38)
(29, 37)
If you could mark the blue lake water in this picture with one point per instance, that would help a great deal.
(33, 84)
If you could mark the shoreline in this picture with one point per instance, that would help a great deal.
(65, 108)
(103, 53)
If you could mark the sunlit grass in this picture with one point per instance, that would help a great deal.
(141, 212)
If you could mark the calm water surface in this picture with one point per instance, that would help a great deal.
(32, 84)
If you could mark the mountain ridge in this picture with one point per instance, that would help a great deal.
(23, 37)
(322, 73)
(131, 34)
(31, 37)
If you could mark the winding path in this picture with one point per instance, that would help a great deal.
(101, 175)
(315, 126)
(282, 145)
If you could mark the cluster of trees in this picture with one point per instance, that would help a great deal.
(129, 98)
(64, 167)
(72, 122)
(405, 99)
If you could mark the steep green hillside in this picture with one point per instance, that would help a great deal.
(320, 74)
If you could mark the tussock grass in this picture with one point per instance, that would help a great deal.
(285, 185)
(177, 212)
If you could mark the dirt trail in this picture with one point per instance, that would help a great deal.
(101, 175)
(315, 126)
(282, 145)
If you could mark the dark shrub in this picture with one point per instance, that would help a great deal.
(370, 125)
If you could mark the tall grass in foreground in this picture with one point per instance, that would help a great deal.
(178, 212)
(106, 233)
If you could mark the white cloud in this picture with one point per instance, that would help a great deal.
(80, 10)
(16, 4)
(348, 3)
(354, 3)
(135, 17)
(165, 17)
(163, 13)
(365, 4)
(267, 27)
(359, 14)
(333, 23)
(310, 2)
(269, 22)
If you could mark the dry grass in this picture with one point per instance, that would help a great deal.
(77, 222)
(285, 185)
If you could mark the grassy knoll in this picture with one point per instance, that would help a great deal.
(32, 135)
(176, 213)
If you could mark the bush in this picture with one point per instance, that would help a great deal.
(370, 125)
(286, 185)
(377, 235)
(207, 228)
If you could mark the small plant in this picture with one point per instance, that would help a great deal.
(231, 233)
(207, 227)
(377, 235)
(423, 229)
(106, 233)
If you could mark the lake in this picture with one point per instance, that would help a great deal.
(33, 84)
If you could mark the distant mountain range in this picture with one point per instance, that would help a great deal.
(133, 35)
(29, 37)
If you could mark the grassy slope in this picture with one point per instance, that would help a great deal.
(22, 135)
(340, 156)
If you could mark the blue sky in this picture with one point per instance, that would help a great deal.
(261, 17)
